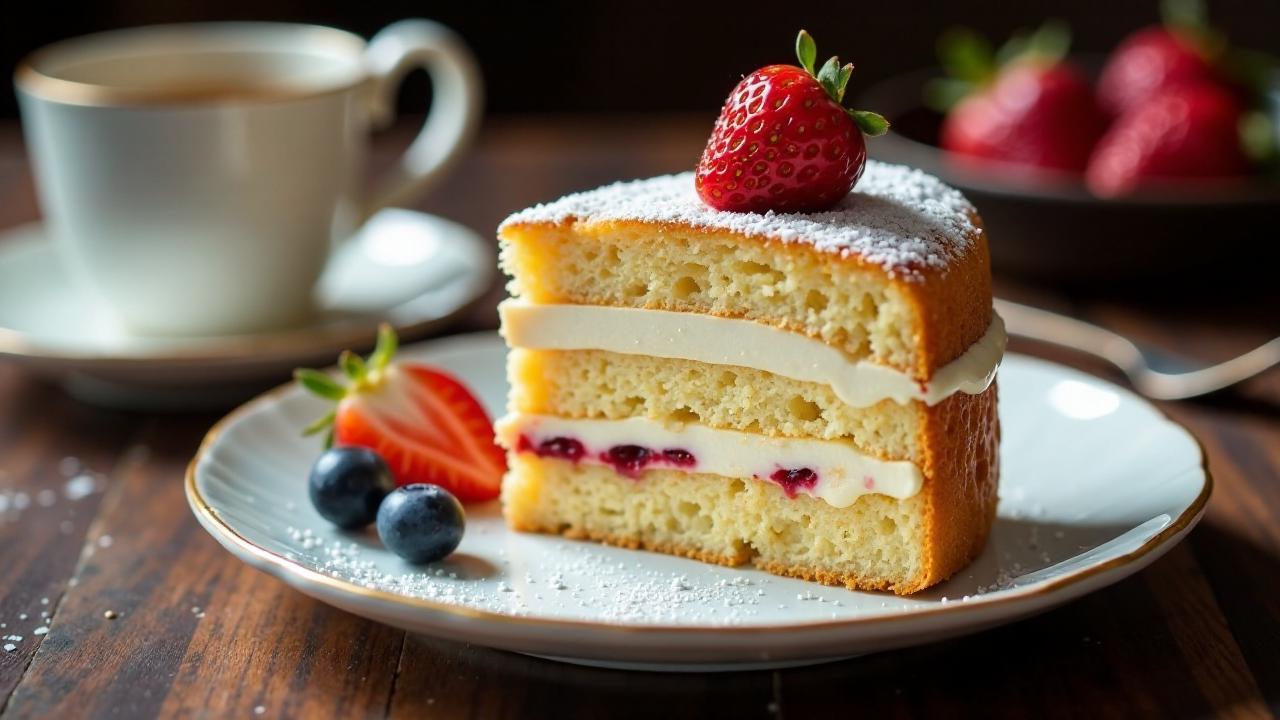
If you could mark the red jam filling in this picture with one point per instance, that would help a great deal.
(794, 479)
(632, 460)
(556, 447)
(679, 457)
(628, 460)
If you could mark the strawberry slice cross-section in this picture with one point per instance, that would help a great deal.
(425, 424)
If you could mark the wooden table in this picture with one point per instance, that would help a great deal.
(197, 633)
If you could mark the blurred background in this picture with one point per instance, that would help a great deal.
(583, 93)
(655, 56)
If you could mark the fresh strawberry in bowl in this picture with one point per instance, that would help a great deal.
(1070, 193)
(1183, 51)
(1188, 111)
(1182, 134)
(784, 142)
(426, 425)
(1024, 105)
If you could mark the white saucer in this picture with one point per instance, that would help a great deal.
(1096, 484)
(409, 268)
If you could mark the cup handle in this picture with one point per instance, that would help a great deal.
(455, 107)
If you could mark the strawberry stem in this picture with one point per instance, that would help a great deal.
(320, 424)
(834, 79)
(320, 383)
(361, 373)
(353, 366)
(387, 345)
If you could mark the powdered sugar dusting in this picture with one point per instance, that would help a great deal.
(518, 575)
(897, 217)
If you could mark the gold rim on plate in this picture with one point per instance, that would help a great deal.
(214, 523)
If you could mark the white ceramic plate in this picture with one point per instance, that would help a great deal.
(411, 269)
(1096, 484)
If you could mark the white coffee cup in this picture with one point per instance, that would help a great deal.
(196, 177)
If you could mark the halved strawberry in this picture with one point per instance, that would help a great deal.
(424, 422)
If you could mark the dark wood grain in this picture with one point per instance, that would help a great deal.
(42, 528)
(198, 634)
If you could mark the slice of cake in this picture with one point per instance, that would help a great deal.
(813, 394)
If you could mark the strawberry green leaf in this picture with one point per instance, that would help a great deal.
(352, 366)
(320, 383)
(806, 51)
(321, 424)
(869, 123)
(386, 348)
(1258, 137)
(942, 94)
(1252, 70)
(842, 81)
(1050, 42)
(1188, 15)
(1047, 44)
(966, 55)
(829, 77)
(1014, 48)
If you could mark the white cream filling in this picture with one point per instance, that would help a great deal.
(746, 343)
(843, 473)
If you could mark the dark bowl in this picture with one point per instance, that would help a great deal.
(1046, 226)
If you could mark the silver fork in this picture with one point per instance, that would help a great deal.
(1153, 373)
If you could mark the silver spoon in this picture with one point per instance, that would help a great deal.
(1152, 373)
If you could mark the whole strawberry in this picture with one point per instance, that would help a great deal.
(1024, 105)
(1186, 132)
(1182, 51)
(783, 140)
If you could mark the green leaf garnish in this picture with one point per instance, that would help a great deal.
(1188, 15)
(806, 51)
(829, 77)
(1258, 137)
(387, 345)
(360, 373)
(966, 56)
(834, 79)
(1050, 42)
(842, 80)
(320, 383)
(942, 94)
(352, 366)
(869, 123)
(321, 424)
(970, 61)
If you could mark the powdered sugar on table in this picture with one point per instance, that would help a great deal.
(897, 217)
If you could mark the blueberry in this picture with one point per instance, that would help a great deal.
(347, 484)
(421, 523)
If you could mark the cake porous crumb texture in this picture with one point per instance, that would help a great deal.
(878, 543)
(897, 274)
(600, 385)
(605, 248)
